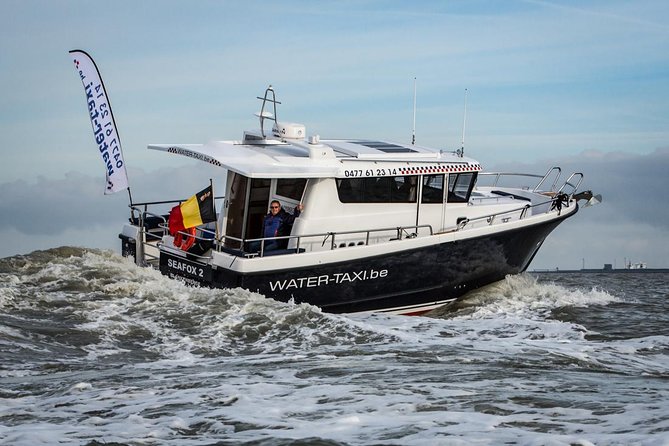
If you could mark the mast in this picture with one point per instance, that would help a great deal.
(461, 152)
(265, 114)
(413, 133)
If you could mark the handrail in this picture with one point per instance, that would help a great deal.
(150, 203)
(498, 175)
(143, 214)
(557, 177)
(160, 225)
(144, 240)
(147, 235)
(550, 171)
(197, 237)
(190, 254)
(400, 231)
(491, 217)
(568, 182)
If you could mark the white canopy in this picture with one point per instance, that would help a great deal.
(271, 158)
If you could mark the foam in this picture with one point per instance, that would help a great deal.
(142, 359)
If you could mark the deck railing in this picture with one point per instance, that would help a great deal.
(555, 172)
(400, 232)
(153, 232)
(152, 227)
(505, 216)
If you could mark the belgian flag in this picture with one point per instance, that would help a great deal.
(196, 211)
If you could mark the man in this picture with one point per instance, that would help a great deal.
(278, 223)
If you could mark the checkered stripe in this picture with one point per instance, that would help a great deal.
(185, 152)
(439, 169)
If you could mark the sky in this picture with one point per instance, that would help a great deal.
(579, 84)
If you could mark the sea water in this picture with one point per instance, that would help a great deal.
(95, 350)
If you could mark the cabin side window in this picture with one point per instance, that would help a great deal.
(236, 205)
(400, 189)
(433, 189)
(257, 206)
(292, 188)
(460, 186)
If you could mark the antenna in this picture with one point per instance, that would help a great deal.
(461, 152)
(413, 133)
(265, 114)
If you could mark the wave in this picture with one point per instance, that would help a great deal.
(522, 294)
(121, 308)
(133, 356)
(87, 304)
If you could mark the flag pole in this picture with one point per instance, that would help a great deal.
(130, 198)
(213, 195)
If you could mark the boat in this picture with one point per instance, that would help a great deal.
(386, 226)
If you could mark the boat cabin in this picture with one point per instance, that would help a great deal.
(383, 185)
(344, 185)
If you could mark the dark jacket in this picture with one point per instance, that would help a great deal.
(279, 225)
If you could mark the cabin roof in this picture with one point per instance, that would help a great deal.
(287, 158)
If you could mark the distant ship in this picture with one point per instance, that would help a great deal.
(639, 267)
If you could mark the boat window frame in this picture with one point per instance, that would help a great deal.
(260, 193)
(236, 205)
(278, 188)
(429, 193)
(455, 188)
(381, 189)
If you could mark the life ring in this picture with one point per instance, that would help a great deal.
(185, 239)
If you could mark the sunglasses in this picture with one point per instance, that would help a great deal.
(275, 207)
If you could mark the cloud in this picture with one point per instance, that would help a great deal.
(622, 14)
(631, 222)
(51, 207)
(48, 206)
(632, 185)
(635, 186)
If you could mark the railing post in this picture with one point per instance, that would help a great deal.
(139, 242)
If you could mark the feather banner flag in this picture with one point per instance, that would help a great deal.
(196, 211)
(102, 120)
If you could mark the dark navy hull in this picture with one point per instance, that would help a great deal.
(407, 279)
